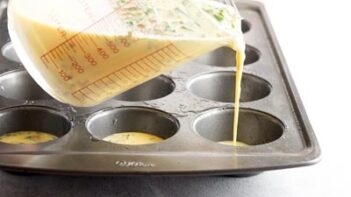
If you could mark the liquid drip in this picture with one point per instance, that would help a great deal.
(240, 58)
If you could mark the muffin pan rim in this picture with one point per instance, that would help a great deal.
(307, 155)
(164, 114)
(249, 47)
(21, 71)
(163, 77)
(207, 113)
(195, 77)
(6, 47)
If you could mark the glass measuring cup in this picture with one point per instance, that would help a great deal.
(83, 52)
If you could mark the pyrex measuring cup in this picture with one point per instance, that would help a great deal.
(83, 52)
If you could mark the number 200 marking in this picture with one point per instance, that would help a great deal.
(77, 67)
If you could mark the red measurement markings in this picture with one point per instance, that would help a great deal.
(60, 52)
(69, 43)
(133, 73)
(86, 94)
(76, 66)
(65, 47)
(109, 77)
(64, 75)
(103, 53)
(79, 45)
(92, 41)
(92, 91)
(78, 40)
(69, 57)
(112, 46)
(90, 59)
(144, 68)
(149, 65)
(176, 52)
(125, 73)
(53, 55)
(102, 81)
(45, 60)
(98, 86)
(139, 69)
(133, 69)
(107, 81)
(119, 78)
(56, 66)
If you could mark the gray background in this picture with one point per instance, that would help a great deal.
(293, 182)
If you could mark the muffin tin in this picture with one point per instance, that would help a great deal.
(191, 107)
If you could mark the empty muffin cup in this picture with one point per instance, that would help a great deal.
(225, 57)
(19, 85)
(154, 89)
(132, 125)
(220, 86)
(8, 51)
(32, 125)
(254, 128)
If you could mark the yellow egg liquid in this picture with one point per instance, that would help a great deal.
(27, 137)
(133, 138)
(231, 143)
(240, 58)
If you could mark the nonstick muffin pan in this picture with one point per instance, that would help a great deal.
(191, 107)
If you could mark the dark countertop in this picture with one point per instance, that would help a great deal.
(276, 183)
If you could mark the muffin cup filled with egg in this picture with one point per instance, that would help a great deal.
(28, 125)
(132, 125)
